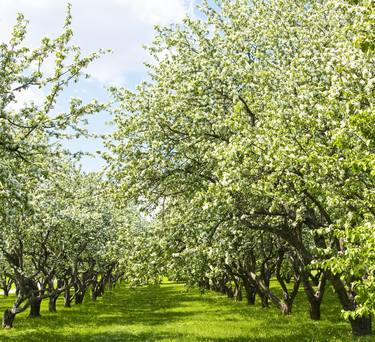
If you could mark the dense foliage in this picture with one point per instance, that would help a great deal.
(59, 227)
(253, 146)
(246, 160)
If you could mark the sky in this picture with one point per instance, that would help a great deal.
(121, 25)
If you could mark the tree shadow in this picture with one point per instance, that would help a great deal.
(166, 312)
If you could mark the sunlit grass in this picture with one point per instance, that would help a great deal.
(170, 313)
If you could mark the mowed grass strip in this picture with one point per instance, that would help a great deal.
(171, 313)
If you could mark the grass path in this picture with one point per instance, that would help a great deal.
(170, 313)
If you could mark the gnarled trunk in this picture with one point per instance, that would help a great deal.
(6, 285)
(230, 292)
(286, 307)
(94, 295)
(79, 297)
(35, 303)
(67, 298)
(237, 293)
(52, 303)
(250, 292)
(264, 299)
(314, 310)
(10, 314)
(361, 326)
(8, 318)
(250, 296)
(314, 297)
(110, 284)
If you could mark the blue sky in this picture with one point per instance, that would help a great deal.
(121, 25)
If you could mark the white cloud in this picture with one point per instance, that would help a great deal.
(121, 25)
(154, 12)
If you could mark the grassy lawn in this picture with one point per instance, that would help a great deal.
(170, 313)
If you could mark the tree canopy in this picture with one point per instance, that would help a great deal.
(248, 157)
(256, 126)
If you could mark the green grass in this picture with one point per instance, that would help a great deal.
(170, 313)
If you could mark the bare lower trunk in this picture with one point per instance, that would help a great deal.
(6, 285)
(250, 292)
(315, 310)
(94, 295)
(361, 326)
(79, 297)
(35, 303)
(264, 300)
(230, 292)
(250, 296)
(286, 307)
(52, 303)
(8, 318)
(314, 297)
(67, 298)
(237, 293)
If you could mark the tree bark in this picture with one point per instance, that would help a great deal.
(67, 298)
(35, 303)
(361, 326)
(79, 297)
(250, 289)
(6, 285)
(94, 295)
(8, 318)
(52, 303)
(314, 297)
(110, 284)
(250, 295)
(264, 300)
(230, 292)
(286, 307)
(315, 310)
(237, 293)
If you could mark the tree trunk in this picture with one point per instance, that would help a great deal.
(94, 295)
(361, 326)
(250, 296)
(79, 297)
(264, 300)
(223, 289)
(35, 303)
(6, 291)
(315, 310)
(103, 284)
(237, 293)
(250, 292)
(314, 297)
(110, 284)
(8, 318)
(230, 292)
(286, 307)
(52, 303)
(67, 298)
(287, 304)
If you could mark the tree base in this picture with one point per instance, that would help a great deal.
(361, 326)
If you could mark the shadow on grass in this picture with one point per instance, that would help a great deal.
(169, 313)
(146, 306)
